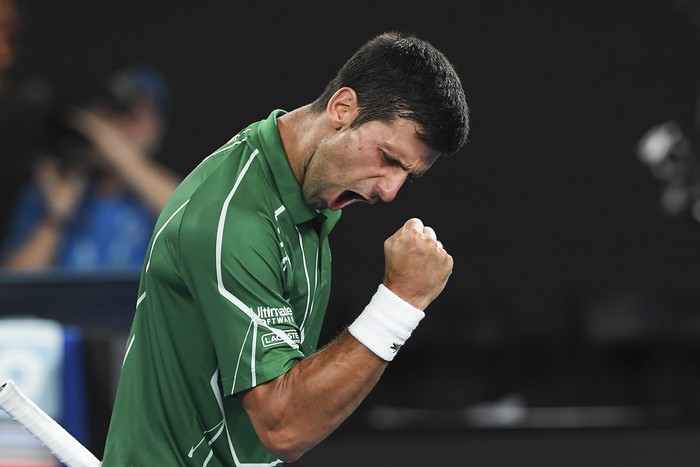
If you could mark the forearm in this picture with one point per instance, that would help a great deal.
(314, 396)
(151, 182)
(39, 250)
(294, 412)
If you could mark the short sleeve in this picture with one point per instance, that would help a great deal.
(237, 277)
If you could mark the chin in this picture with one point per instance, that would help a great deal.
(316, 203)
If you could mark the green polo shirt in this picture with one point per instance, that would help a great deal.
(232, 294)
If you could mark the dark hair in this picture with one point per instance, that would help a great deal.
(400, 76)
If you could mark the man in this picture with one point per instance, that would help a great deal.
(221, 367)
(97, 188)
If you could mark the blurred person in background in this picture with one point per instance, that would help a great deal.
(97, 189)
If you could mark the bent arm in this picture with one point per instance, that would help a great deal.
(61, 194)
(295, 411)
(152, 182)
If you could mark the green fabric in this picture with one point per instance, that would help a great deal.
(232, 294)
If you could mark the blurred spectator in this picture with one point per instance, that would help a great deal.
(97, 190)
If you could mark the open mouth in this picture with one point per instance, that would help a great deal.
(345, 199)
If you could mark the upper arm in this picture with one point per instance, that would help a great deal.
(269, 408)
(261, 402)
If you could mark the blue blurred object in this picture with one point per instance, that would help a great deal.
(46, 361)
(74, 416)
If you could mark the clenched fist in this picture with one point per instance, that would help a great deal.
(416, 265)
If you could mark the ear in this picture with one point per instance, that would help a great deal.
(342, 108)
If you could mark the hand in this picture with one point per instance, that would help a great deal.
(62, 191)
(416, 264)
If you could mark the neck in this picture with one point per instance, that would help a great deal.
(300, 131)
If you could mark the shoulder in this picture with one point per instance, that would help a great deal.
(236, 204)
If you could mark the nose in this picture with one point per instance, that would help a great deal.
(390, 184)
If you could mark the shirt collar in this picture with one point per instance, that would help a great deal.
(289, 188)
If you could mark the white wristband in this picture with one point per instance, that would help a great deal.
(385, 324)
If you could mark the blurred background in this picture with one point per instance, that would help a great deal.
(569, 333)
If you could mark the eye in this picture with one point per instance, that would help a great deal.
(389, 160)
(394, 162)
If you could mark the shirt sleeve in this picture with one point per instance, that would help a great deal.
(238, 279)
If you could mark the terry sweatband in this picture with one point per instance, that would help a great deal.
(385, 324)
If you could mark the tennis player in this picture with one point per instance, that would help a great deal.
(221, 365)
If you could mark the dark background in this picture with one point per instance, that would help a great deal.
(546, 210)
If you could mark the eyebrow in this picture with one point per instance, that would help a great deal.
(391, 154)
(397, 161)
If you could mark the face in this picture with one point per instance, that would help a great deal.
(365, 164)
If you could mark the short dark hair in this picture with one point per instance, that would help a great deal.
(400, 76)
